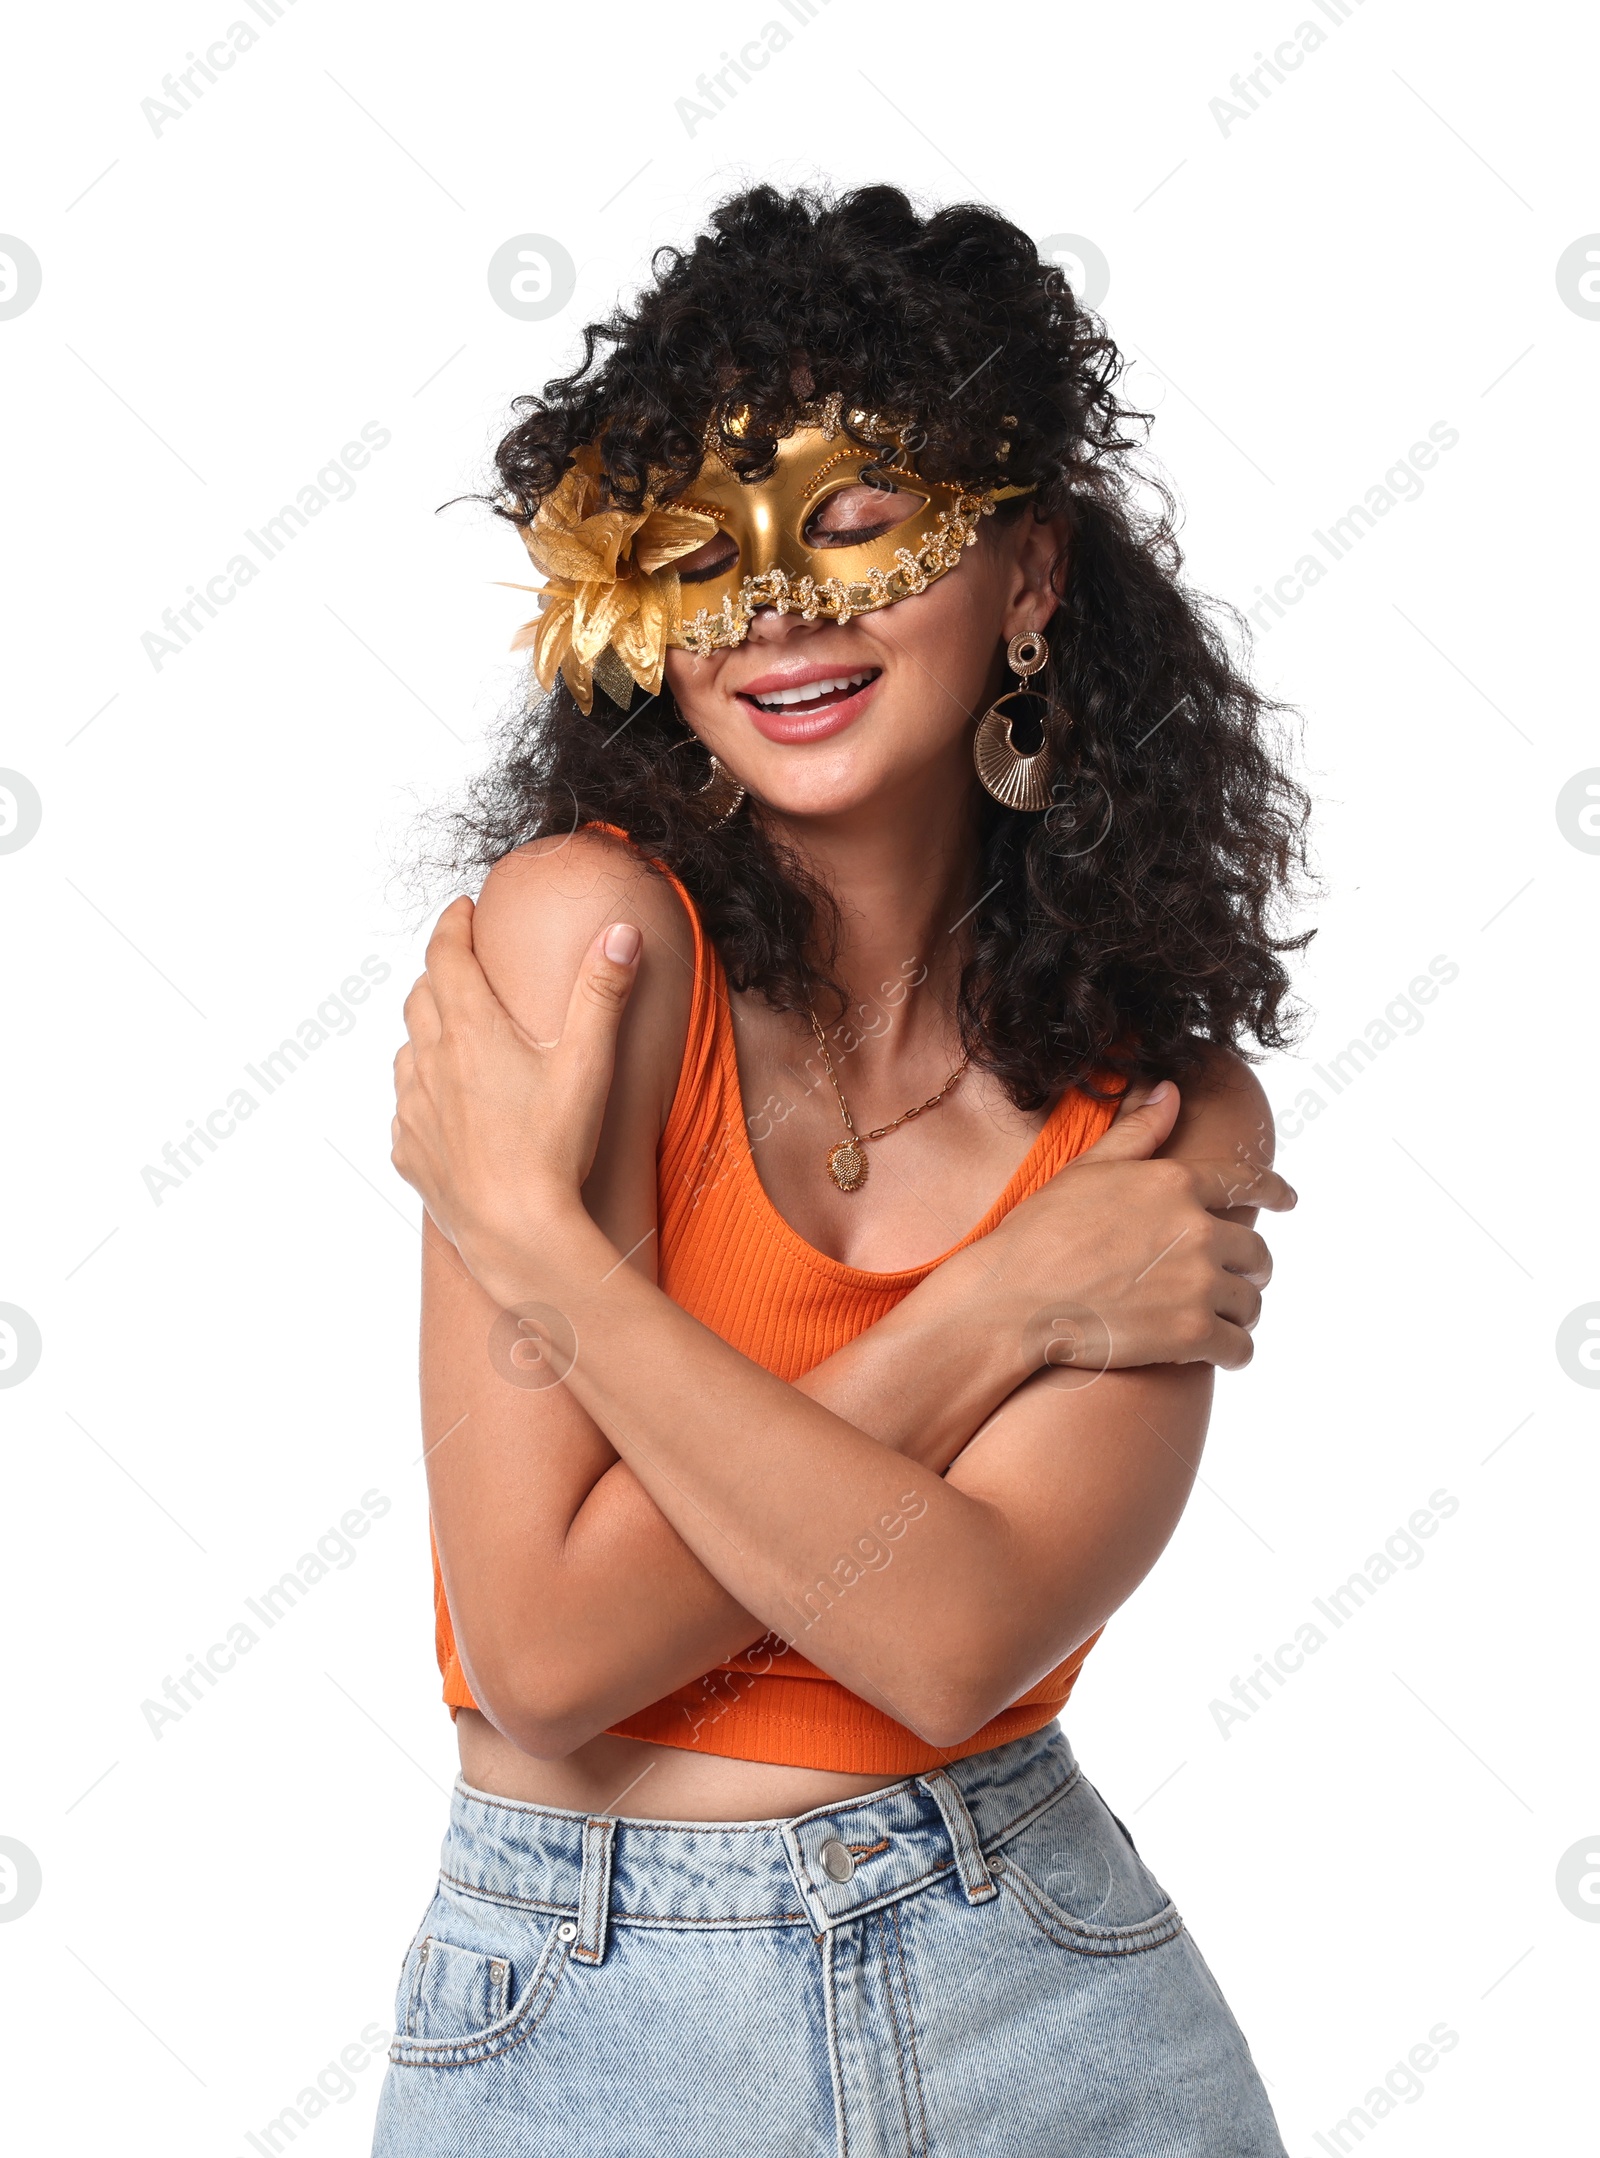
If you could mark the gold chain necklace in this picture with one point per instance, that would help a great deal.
(847, 1162)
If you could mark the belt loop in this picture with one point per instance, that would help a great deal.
(946, 1794)
(594, 1890)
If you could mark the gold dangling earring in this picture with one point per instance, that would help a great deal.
(721, 795)
(1018, 780)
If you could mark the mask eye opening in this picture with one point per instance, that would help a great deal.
(891, 515)
(717, 557)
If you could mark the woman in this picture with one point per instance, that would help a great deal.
(824, 1273)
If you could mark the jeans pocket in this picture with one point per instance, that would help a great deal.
(476, 1983)
(1074, 1870)
(451, 1995)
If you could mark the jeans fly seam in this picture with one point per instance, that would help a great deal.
(894, 2031)
(830, 2015)
(905, 1984)
(920, 2137)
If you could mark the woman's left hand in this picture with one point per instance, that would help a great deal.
(495, 1130)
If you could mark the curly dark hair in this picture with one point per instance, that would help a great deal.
(1133, 922)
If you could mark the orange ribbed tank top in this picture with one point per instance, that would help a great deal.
(727, 1256)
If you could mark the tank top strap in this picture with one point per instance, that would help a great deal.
(708, 999)
(698, 1105)
(1076, 1122)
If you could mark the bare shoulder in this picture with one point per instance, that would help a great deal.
(543, 888)
(541, 908)
(1224, 1114)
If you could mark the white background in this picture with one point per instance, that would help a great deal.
(225, 302)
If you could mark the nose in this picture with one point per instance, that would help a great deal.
(768, 627)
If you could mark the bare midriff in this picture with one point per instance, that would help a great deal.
(628, 1778)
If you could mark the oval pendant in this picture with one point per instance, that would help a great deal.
(847, 1165)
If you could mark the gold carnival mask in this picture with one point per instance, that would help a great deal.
(614, 602)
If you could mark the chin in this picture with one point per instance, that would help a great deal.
(823, 796)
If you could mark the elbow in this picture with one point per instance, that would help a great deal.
(953, 1703)
(545, 1729)
(945, 1734)
(545, 1736)
(949, 1707)
(540, 1713)
(948, 1726)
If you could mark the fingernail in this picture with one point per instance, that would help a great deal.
(622, 943)
(1157, 1094)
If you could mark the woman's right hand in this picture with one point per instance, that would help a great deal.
(1123, 1259)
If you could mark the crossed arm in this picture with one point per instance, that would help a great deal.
(610, 1538)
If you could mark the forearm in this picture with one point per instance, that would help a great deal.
(920, 1382)
(769, 1488)
(928, 1374)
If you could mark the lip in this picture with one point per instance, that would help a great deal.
(798, 673)
(793, 726)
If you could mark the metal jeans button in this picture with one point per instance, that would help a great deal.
(837, 1862)
(566, 1931)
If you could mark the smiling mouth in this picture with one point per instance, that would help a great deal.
(809, 697)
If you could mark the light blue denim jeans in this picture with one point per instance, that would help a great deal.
(973, 1961)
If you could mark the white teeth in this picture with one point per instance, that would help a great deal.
(809, 692)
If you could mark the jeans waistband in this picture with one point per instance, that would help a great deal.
(816, 1869)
